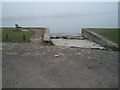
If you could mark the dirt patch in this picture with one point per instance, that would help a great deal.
(28, 66)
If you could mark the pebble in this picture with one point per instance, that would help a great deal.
(89, 52)
(89, 57)
(28, 53)
(48, 50)
(61, 54)
(37, 53)
(56, 55)
(11, 53)
(43, 53)
(79, 54)
(12, 84)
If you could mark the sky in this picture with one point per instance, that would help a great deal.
(54, 9)
(25, 13)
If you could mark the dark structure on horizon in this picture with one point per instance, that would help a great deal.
(18, 27)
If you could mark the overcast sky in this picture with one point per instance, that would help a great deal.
(58, 10)
(61, 16)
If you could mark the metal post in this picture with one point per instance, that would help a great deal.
(6, 36)
(24, 38)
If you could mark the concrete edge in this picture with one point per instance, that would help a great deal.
(97, 38)
(46, 36)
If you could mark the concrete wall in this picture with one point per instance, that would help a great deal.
(97, 38)
(46, 35)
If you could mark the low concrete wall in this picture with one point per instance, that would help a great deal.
(97, 38)
(46, 35)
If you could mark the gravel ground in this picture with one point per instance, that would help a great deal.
(0, 66)
(27, 66)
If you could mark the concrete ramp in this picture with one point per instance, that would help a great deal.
(76, 43)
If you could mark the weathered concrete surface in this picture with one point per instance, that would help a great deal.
(97, 38)
(76, 43)
(47, 35)
(25, 66)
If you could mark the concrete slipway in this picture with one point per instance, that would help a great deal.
(76, 43)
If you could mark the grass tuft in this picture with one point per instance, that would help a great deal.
(14, 35)
(109, 33)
